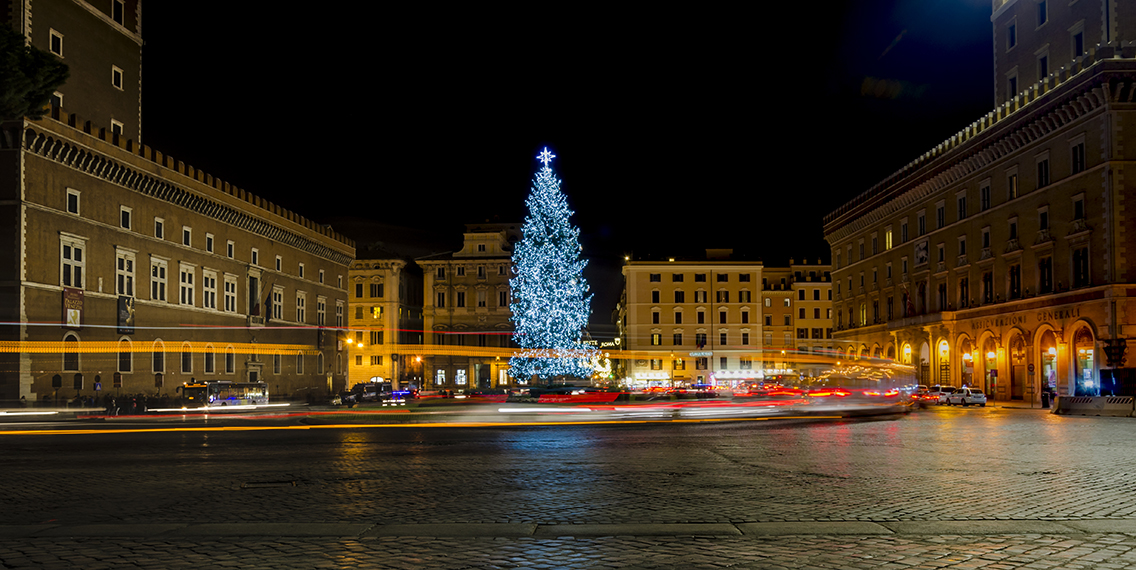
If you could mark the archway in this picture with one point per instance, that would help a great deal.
(925, 364)
(1047, 353)
(944, 363)
(966, 361)
(1084, 360)
(891, 352)
(990, 366)
(1017, 367)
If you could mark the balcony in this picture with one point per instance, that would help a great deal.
(962, 262)
(1043, 237)
(1078, 226)
(986, 254)
(1012, 246)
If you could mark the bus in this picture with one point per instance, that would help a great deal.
(223, 393)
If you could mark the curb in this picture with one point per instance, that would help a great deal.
(546, 531)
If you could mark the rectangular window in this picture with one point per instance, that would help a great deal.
(279, 263)
(940, 216)
(56, 43)
(358, 290)
(376, 289)
(209, 361)
(922, 224)
(321, 311)
(1012, 185)
(984, 197)
(481, 299)
(460, 299)
(159, 228)
(116, 77)
(254, 256)
(441, 300)
(186, 361)
(903, 232)
(117, 12)
(300, 273)
(1078, 157)
(1045, 275)
(655, 277)
(231, 294)
(723, 339)
(186, 236)
(115, 127)
(278, 303)
(321, 276)
(961, 207)
(1081, 267)
(158, 268)
(124, 273)
(988, 287)
(1042, 13)
(209, 243)
(1043, 173)
(124, 214)
(887, 239)
(185, 288)
(209, 290)
(964, 292)
(656, 339)
(680, 296)
(503, 299)
(72, 201)
(723, 278)
(1011, 36)
(301, 307)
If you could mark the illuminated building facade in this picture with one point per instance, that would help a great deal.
(998, 259)
(385, 321)
(131, 272)
(466, 311)
(691, 322)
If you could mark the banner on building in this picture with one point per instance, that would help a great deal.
(72, 308)
(125, 315)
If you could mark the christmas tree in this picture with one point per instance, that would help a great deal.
(551, 302)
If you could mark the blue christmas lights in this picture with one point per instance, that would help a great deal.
(551, 302)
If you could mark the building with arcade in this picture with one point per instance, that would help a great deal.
(1000, 257)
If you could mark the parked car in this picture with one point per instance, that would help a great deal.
(940, 393)
(967, 396)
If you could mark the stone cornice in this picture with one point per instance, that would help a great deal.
(71, 153)
(1089, 85)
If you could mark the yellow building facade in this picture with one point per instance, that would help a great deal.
(999, 259)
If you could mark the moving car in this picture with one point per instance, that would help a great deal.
(966, 396)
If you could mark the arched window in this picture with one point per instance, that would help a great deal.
(210, 360)
(159, 356)
(230, 360)
(299, 362)
(71, 353)
(319, 363)
(125, 355)
(186, 358)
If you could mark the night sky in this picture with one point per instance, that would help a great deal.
(674, 131)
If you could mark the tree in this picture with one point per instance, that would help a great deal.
(28, 77)
(551, 302)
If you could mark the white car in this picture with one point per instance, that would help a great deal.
(941, 393)
(966, 397)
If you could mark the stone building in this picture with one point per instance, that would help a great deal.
(128, 271)
(385, 326)
(999, 258)
(466, 310)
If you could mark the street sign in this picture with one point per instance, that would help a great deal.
(1030, 367)
(98, 386)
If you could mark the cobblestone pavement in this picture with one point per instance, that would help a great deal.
(980, 466)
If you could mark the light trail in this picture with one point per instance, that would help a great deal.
(400, 425)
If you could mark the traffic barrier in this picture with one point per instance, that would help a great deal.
(1081, 405)
(1109, 406)
(1117, 406)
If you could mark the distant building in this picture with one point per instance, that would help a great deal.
(684, 322)
(386, 319)
(998, 259)
(466, 312)
(128, 271)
